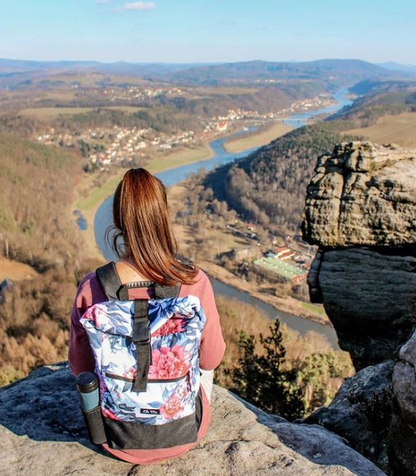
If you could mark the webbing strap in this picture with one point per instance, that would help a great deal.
(110, 281)
(162, 292)
(111, 284)
(141, 339)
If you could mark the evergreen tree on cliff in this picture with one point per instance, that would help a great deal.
(263, 380)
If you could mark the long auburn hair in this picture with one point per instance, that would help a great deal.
(141, 218)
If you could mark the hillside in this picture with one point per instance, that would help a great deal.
(399, 129)
(335, 72)
(380, 98)
(37, 229)
(35, 183)
(269, 185)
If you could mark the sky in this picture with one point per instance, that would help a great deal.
(200, 31)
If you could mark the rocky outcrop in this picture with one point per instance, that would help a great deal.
(362, 194)
(42, 433)
(403, 428)
(361, 211)
(362, 412)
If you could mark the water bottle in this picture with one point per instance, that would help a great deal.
(89, 394)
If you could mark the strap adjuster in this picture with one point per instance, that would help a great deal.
(141, 331)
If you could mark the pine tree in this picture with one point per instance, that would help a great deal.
(262, 379)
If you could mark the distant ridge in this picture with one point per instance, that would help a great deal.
(408, 68)
(339, 71)
(342, 72)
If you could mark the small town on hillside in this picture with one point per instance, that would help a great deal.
(106, 146)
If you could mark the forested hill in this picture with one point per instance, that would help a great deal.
(336, 72)
(269, 186)
(37, 228)
(36, 184)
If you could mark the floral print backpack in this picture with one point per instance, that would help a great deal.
(147, 361)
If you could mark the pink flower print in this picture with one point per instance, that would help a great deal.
(168, 363)
(172, 408)
(172, 326)
(183, 390)
(94, 314)
(109, 414)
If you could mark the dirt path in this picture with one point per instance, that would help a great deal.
(15, 271)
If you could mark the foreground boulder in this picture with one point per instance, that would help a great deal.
(402, 436)
(362, 412)
(42, 433)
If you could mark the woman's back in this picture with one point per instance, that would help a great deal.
(136, 336)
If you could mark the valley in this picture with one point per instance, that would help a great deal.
(68, 138)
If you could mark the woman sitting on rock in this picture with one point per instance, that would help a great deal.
(145, 326)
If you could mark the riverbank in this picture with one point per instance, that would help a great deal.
(285, 304)
(89, 197)
(257, 139)
(224, 241)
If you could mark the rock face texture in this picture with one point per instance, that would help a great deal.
(403, 429)
(362, 194)
(42, 433)
(362, 412)
(361, 211)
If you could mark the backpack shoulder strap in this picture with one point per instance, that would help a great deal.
(110, 281)
(111, 284)
(162, 292)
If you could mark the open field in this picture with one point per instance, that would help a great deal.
(280, 267)
(230, 90)
(264, 137)
(179, 157)
(313, 308)
(400, 129)
(15, 271)
(60, 95)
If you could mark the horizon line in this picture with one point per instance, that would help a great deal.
(207, 63)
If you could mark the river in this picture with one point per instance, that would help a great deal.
(103, 219)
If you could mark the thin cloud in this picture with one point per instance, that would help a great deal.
(102, 2)
(137, 7)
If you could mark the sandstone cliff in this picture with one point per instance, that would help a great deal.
(42, 433)
(361, 211)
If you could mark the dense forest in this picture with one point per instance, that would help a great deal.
(269, 186)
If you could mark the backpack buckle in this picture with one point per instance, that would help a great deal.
(141, 331)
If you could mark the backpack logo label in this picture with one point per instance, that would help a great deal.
(149, 411)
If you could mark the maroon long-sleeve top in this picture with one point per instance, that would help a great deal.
(212, 350)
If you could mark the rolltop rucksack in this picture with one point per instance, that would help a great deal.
(146, 355)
